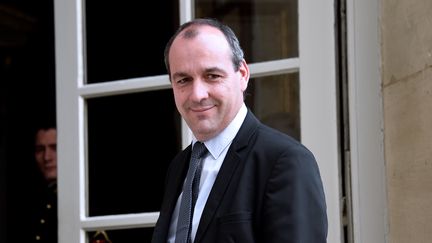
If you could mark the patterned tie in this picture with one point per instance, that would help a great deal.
(190, 194)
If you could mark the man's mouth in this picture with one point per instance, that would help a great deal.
(202, 108)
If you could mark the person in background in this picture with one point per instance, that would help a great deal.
(44, 221)
(249, 182)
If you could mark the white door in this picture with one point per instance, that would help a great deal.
(114, 102)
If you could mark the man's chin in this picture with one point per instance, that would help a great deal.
(50, 177)
(203, 133)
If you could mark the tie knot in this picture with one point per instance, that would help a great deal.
(198, 150)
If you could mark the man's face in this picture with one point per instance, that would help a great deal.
(46, 153)
(208, 91)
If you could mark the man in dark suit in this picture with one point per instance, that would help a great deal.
(256, 184)
(44, 216)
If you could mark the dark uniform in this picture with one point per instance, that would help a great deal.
(44, 222)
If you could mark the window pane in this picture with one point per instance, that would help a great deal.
(131, 140)
(275, 101)
(267, 29)
(124, 235)
(126, 39)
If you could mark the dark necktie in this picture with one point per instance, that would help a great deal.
(190, 194)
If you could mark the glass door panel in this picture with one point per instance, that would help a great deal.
(267, 30)
(275, 101)
(126, 39)
(123, 235)
(131, 140)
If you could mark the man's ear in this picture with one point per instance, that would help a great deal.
(244, 72)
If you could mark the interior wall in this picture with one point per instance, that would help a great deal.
(407, 90)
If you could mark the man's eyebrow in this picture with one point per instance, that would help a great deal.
(207, 70)
(215, 69)
(179, 75)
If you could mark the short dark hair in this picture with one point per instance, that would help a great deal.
(45, 122)
(237, 52)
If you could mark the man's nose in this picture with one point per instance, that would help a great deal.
(199, 90)
(48, 155)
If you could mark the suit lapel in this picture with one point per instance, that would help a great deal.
(176, 175)
(229, 166)
(222, 181)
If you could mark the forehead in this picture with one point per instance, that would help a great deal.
(201, 33)
(197, 44)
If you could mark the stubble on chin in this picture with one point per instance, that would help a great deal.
(203, 129)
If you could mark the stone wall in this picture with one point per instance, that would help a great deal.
(406, 34)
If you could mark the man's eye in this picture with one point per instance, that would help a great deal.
(39, 149)
(182, 81)
(213, 76)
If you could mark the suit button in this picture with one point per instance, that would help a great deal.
(48, 206)
(38, 237)
(42, 221)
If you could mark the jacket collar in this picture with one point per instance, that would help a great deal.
(233, 158)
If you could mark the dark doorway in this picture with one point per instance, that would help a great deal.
(27, 96)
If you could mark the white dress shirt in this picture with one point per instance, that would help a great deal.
(218, 148)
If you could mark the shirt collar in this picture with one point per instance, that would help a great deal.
(217, 144)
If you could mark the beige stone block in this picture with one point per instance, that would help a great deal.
(408, 152)
(406, 35)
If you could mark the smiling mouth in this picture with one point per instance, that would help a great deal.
(201, 109)
(50, 167)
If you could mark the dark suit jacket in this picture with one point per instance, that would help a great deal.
(268, 190)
